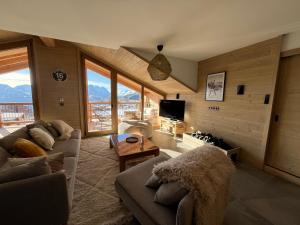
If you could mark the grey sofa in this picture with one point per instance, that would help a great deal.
(138, 198)
(42, 200)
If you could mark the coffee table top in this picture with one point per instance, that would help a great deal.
(123, 148)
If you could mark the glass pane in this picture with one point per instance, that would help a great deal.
(151, 107)
(129, 99)
(16, 108)
(98, 98)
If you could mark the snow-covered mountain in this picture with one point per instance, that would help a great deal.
(22, 93)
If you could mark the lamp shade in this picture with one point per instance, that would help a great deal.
(159, 68)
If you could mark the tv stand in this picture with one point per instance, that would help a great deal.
(173, 127)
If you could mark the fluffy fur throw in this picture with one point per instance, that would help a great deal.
(206, 172)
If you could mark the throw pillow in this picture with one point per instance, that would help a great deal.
(52, 130)
(28, 170)
(8, 141)
(26, 148)
(55, 161)
(42, 138)
(38, 124)
(185, 212)
(170, 193)
(63, 128)
(153, 182)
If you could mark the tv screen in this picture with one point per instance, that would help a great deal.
(173, 109)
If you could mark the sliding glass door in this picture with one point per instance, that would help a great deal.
(98, 89)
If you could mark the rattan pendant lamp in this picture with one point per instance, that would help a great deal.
(159, 67)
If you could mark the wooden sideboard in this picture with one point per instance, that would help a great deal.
(173, 127)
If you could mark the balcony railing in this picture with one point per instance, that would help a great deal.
(99, 114)
(16, 113)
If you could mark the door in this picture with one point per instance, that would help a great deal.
(99, 116)
(284, 146)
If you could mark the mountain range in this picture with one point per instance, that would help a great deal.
(22, 93)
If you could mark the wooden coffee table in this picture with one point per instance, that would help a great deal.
(126, 151)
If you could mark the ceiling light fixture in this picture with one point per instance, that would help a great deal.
(159, 67)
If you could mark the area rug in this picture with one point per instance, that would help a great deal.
(95, 199)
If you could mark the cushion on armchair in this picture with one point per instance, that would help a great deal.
(55, 161)
(63, 128)
(27, 170)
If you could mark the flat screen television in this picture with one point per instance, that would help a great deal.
(173, 109)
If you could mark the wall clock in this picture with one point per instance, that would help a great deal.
(59, 75)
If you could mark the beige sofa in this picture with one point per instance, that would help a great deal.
(41, 200)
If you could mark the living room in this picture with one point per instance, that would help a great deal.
(225, 79)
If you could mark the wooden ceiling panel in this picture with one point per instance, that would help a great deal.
(129, 63)
(13, 59)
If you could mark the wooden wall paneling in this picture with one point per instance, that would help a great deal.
(114, 101)
(63, 56)
(283, 153)
(49, 42)
(242, 120)
(80, 69)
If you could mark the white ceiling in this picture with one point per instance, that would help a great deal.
(190, 29)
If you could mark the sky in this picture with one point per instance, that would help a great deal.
(16, 78)
(95, 79)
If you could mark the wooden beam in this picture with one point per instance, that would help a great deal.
(291, 52)
(49, 42)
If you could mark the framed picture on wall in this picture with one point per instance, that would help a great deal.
(215, 85)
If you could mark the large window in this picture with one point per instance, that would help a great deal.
(111, 98)
(16, 101)
(129, 99)
(98, 97)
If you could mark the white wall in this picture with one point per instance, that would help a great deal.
(184, 70)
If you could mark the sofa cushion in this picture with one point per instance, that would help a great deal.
(63, 128)
(55, 161)
(153, 182)
(132, 181)
(8, 141)
(26, 148)
(42, 138)
(69, 147)
(38, 124)
(52, 130)
(170, 193)
(27, 170)
(184, 215)
(4, 155)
